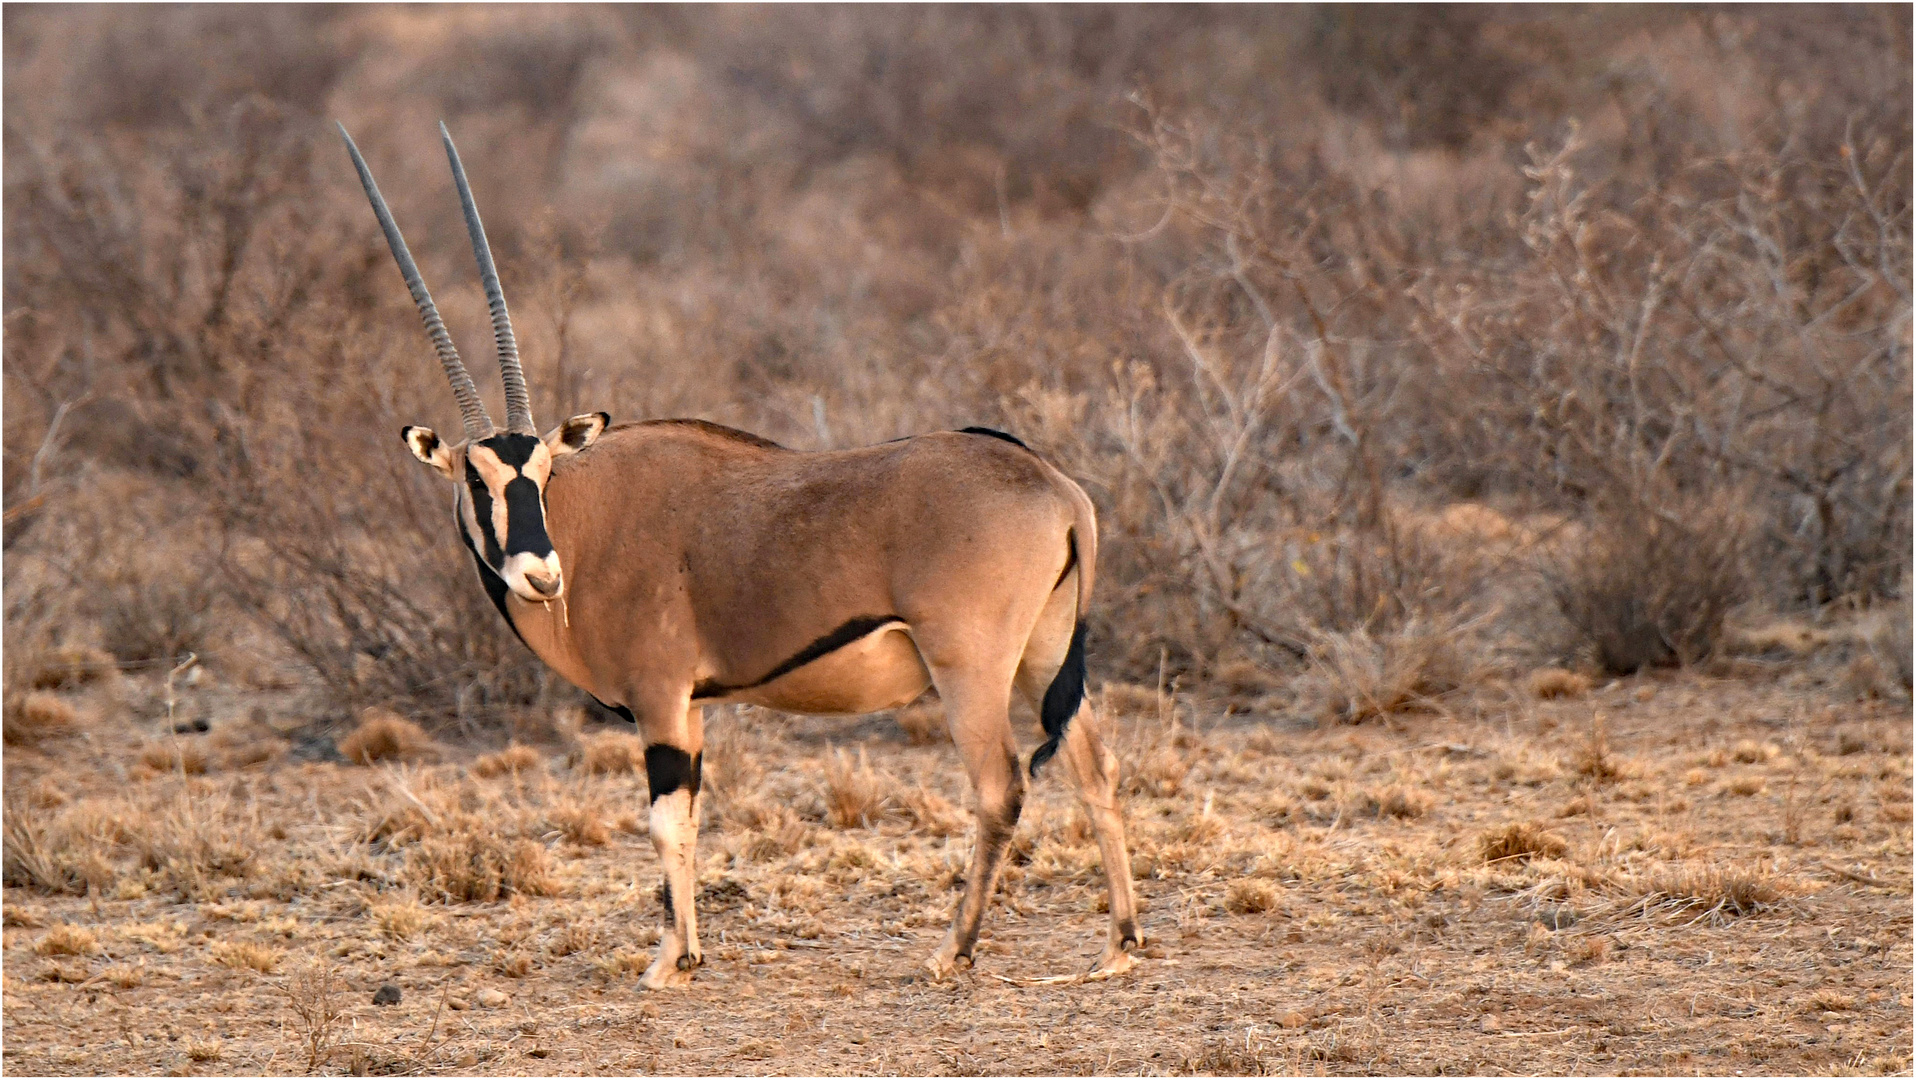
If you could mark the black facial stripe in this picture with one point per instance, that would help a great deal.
(482, 515)
(668, 768)
(525, 519)
(850, 631)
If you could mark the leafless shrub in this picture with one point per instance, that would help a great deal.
(316, 995)
(1649, 589)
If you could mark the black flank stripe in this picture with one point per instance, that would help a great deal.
(850, 631)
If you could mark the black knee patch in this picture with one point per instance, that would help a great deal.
(668, 768)
(1127, 934)
(665, 896)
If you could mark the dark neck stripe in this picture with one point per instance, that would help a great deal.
(851, 630)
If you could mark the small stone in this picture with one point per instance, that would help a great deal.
(489, 998)
(388, 994)
(458, 1004)
(1491, 1025)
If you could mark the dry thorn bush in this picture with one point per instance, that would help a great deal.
(384, 735)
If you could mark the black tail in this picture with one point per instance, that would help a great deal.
(1061, 699)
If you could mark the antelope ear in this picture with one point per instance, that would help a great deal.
(426, 447)
(576, 434)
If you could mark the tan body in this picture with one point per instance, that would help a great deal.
(699, 560)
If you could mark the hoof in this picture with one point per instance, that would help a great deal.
(939, 967)
(664, 974)
(1117, 958)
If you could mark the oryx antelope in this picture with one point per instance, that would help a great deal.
(701, 565)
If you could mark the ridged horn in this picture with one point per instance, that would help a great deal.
(472, 411)
(518, 404)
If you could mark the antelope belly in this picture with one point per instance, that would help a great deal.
(878, 671)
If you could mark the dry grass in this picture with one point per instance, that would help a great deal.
(66, 939)
(1552, 682)
(72, 668)
(856, 795)
(249, 955)
(383, 735)
(37, 716)
(1356, 676)
(511, 761)
(472, 864)
(1521, 841)
(612, 753)
(173, 754)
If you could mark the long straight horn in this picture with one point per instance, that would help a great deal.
(518, 405)
(472, 411)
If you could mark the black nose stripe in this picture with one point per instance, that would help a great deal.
(525, 519)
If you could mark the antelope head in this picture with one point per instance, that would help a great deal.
(499, 478)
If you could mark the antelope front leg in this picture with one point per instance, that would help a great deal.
(672, 774)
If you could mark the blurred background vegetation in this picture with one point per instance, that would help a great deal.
(1396, 345)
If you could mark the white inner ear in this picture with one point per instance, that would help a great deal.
(430, 448)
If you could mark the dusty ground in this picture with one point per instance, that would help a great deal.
(1668, 874)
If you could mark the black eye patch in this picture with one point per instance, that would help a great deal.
(482, 514)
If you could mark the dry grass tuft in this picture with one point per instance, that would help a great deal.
(403, 918)
(1396, 801)
(1705, 893)
(37, 716)
(1750, 752)
(472, 863)
(856, 795)
(1553, 682)
(72, 667)
(246, 954)
(923, 724)
(176, 755)
(612, 753)
(203, 1050)
(1356, 677)
(384, 735)
(1250, 896)
(1521, 841)
(66, 939)
(1592, 756)
(513, 760)
(583, 823)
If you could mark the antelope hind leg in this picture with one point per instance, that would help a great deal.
(1094, 773)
